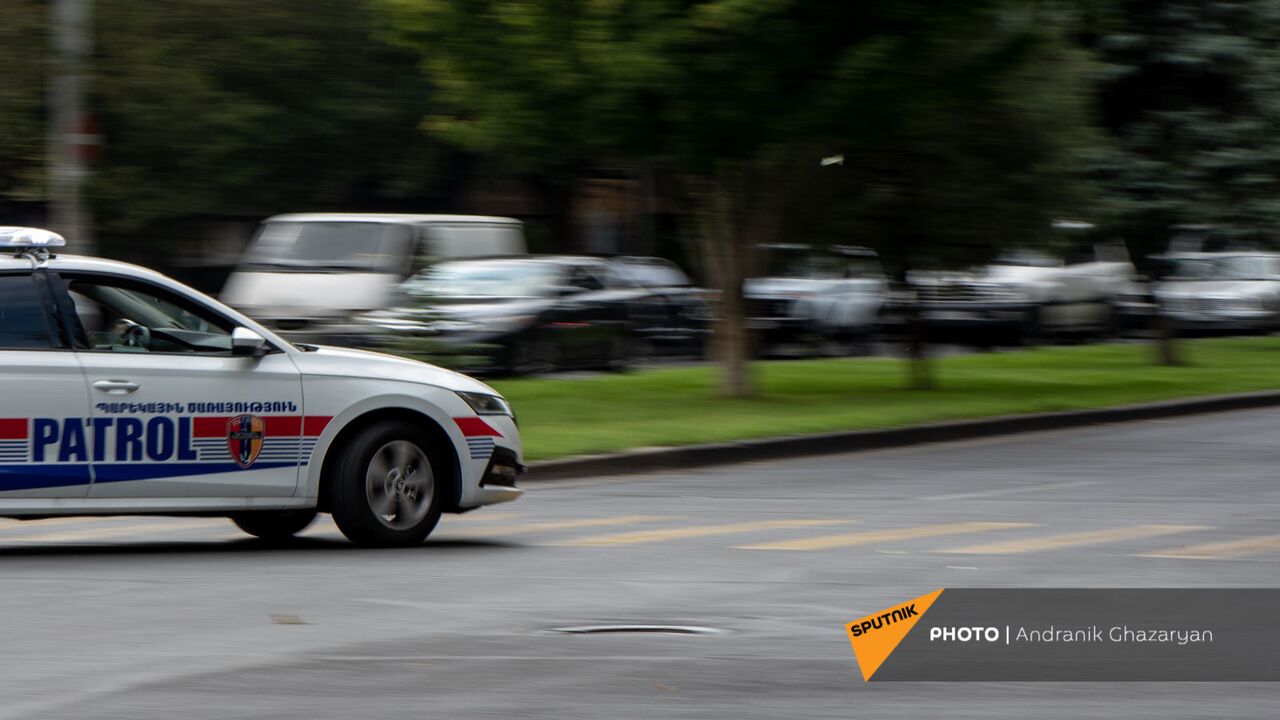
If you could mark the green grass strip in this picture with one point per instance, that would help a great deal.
(679, 406)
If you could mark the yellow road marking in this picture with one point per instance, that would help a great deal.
(680, 533)
(1221, 550)
(556, 525)
(1091, 537)
(873, 537)
(118, 531)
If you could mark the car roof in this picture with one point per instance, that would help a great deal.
(78, 263)
(643, 260)
(547, 259)
(398, 218)
(1211, 255)
(843, 250)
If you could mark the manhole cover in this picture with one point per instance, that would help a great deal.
(636, 629)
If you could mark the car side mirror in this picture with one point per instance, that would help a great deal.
(245, 342)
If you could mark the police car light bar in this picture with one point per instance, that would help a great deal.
(28, 238)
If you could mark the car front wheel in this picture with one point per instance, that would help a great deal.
(384, 490)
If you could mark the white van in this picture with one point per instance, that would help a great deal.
(307, 276)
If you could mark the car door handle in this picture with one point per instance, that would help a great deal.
(116, 387)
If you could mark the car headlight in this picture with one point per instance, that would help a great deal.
(487, 404)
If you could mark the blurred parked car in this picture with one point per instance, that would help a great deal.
(523, 315)
(308, 276)
(1024, 295)
(815, 297)
(668, 314)
(1226, 291)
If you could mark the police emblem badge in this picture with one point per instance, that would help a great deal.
(244, 439)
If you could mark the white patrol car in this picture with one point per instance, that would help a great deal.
(125, 392)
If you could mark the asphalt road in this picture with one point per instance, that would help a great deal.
(170, 618)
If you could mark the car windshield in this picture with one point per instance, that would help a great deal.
(330, 247)
(653, 274)
(487, 279)
(802, 263)
(1026, 258)
(1235, 267)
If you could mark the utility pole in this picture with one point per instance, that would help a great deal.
(71, 134)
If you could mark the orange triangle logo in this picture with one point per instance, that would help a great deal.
(875, 636)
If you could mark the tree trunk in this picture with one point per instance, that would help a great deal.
(557, 195)
(1166, 339)
(919, 369)
(726, 245)
(733, 344)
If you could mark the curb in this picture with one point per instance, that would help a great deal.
(695, 456)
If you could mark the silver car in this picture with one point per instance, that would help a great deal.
(1223, 291)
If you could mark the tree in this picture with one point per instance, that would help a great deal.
(980, 123)
(1190, 94)
(247, 107)
(22, 61)
(725, 92)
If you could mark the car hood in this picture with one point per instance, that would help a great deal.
(1215, 288)
(464, 310)
(991, 275)
(486, 309)
(347, 362)
(306, 295)
(770, 287)
(1019, 273)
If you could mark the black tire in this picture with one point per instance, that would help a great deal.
(622, 354)
(1111, 325)
(274, 525)
(530, 356)
(357, 484)
(1033, 331)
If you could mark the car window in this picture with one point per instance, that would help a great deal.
(1230, 267)
(458, 240)
(123, 316)
(330, 246)
(864, 267)
(803, 262)
(583, 277)
(507, 278)
(22, 314)
(652, 274)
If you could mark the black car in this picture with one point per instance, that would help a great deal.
(517, 315)
(667, 313)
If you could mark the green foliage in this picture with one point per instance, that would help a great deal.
(965, 138)
(244, 107)
(960, 120)
(22, 62)
(1190, 92)
(959, 116)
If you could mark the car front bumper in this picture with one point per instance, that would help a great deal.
(1234, 320)
(962, 315)
(778, 329)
